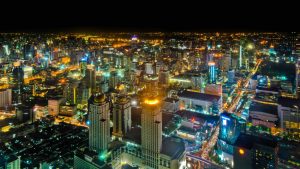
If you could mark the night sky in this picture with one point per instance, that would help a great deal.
(149, 16)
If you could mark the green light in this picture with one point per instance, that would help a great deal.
(102, 156)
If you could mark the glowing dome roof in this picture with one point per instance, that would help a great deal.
(99, 98)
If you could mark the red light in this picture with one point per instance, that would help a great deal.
(193, 119)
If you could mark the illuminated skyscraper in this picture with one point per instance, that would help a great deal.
(121, 116)
(230, 127)
(241, 57)
(90, 78)
(83, 65)
(99, 117)
(211, 72)
(151, 131)
(18, 75)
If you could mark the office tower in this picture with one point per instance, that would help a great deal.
(70, 92)
(164, 77)
(121, 116)
(5, 97)
(240, 57)
(230, 127)
(99, 117)
(83, 93)
(211, 72)
(53, 105)
(18, 75)
(83, 66)
(90, 78)
(28, 52)
(151, 121)
(149, 68)
(114, 79)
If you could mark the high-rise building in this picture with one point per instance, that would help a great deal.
(240, 57)
(149, 68)
(151, 120)
(83, 93)
(5, 97)
(121, 116)
(211, 72)
(230, 128)
(99, 117)
(53, 105)
(18, 75)
(164, 77)
(90, 78)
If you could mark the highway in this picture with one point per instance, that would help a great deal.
(206, 149)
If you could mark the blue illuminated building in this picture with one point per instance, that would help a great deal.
(211, 72)
(231, 126)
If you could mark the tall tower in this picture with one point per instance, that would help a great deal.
(211, 72)
(151, 131)
(99, 129)
(241, 57)
(121, 116)
(90, 78)
(18, 75)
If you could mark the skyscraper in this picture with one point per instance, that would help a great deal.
(211, 72)
(151, 131)
(18, 75)
(121, 116)
(99, 131)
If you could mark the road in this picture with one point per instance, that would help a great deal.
(206, 149)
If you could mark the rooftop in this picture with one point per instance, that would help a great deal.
(173, 147)
(266, 108)
(198, 95)
(249, 141)
(288, 102)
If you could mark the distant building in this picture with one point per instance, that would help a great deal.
(212, 76)
(54, 104)
(149, 69)
(231, 76)
(121, 116)
(5, 97)
(67, 110)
